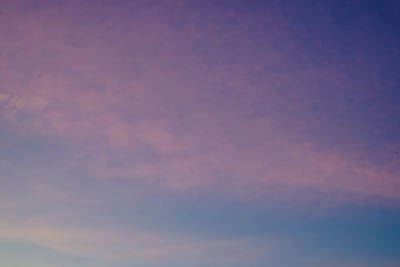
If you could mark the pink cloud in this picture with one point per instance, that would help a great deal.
(108, 91)
(248, 154)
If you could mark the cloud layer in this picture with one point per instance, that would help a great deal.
(277, 105)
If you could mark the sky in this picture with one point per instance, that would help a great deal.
(188, 133)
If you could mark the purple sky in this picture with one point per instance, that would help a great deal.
(199, 133)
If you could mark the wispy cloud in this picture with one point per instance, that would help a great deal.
(111, 245)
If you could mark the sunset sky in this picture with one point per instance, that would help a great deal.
(199, 133)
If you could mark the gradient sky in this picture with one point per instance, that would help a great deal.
(201, 133)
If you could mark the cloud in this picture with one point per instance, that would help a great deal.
(163, 132)
(108, 244)
(174, 104)
(3, 97)
(200, 150)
